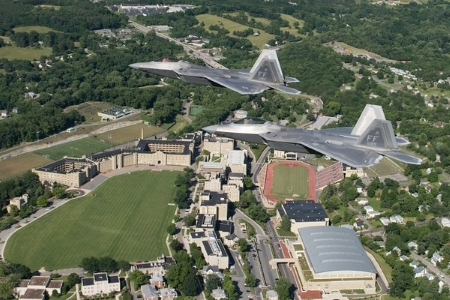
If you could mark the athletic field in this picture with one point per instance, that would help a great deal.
(287, 180)
(126, 218)
(76, 148)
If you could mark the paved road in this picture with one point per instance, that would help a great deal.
(432, 268)
(207, 59)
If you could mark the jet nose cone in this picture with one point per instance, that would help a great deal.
(210, 129)
(135, 66)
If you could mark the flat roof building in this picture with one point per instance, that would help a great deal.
(303, 213)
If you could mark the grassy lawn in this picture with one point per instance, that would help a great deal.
(358, 51)
(289, 182)
(179, 123)
(89, 110)
(17, 165)
(258, 151)
(291, 21)
(128, 134)
(282, 232)
(38, 29)
(77, 148)
(13, 52)
(99, 142)
(386, 167)
(118, 219)
(387, 270)
(258, 41)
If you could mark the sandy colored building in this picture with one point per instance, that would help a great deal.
(218, 145)
(212, 248)
(35, 288)
(236, 161)
(17, 202)
(74, 172)
(214, 203)
(332, 259)
(100, 284)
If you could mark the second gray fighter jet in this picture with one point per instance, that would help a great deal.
(265, 74)
(360, 146)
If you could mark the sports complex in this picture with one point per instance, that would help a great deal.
(289, 180)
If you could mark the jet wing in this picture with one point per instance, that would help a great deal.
(240, 86)
(346, 153)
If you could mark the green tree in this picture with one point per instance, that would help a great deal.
(42, 201)
(248, 183)
(242, 242)
(212, 282)
(283, 288)
(190, 286)
(73, 279)
(90, 264)
(189, 220)
(175, 245)
(433, 177)
(285, 223)
(250, 280)
(230, 288)
(172, 229)
(138, 278)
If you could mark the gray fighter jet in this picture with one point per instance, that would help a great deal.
(361, 146)
(265, 74)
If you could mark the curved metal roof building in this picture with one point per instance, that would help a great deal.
(335, 250)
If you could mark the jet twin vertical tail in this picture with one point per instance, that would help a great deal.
(267, 70)
(378, 135)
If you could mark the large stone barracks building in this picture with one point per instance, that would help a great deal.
(74, 172)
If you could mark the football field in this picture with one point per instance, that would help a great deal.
(125, 218)
(290, 181)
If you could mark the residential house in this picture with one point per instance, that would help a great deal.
(358, 224)
(396, 249)
(412, 245)
(381, 244)
(396, 219)
(4, 114)
(368, 208)
(445, 222)
(414, 264)
(419, 272)
(362, 201)
(218, 294)
(385, 221)
(436, 258)
(240, 114)
(15, 110)
(403, 258)
(429, 276)
(211, 270)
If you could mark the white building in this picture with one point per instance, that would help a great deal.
(35, 288)
(445, 222)
(236, 161)
(385, 221)
(100, 284)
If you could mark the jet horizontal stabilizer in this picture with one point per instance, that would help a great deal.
(406, 158)
(290, 79)
(284, 89)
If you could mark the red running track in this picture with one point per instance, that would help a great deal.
(269, 179)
